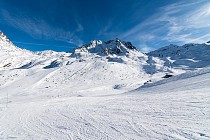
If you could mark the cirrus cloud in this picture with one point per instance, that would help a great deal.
(39, 29)
(181, 22)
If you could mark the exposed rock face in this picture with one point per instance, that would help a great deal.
(111, 47)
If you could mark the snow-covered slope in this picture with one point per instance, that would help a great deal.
(175, 110)
(178, 82)
(76, 95)
(12, 56)
(113, 65)
(188, 56)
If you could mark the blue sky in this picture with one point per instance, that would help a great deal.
(62, 25)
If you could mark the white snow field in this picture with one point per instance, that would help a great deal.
(103, 91)
(179, 109)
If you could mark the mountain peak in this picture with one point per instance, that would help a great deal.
(189, 56)
(110, 47)
(6, 44)
(3, 37)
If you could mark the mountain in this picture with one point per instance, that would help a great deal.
(114, 62)
(187, 57)
(104, 90)
(12, 56)
(114, 65)
(108, 48)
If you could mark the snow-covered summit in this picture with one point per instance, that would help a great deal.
(15, 57)
(12, 56)
(6, 44)
(105, 48)
(188, 56)
(3, 37)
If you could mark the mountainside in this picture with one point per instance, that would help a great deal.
(116, 63)
(113, 65)
(108, 48)
(12, 56)
(188, 56)
(105, 90)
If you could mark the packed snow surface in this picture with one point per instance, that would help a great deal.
(161, 113)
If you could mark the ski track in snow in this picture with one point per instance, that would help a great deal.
(156, 112)
(137, 116)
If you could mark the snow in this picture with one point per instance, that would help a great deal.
(91, 94)
(164, 115)
(188, 56)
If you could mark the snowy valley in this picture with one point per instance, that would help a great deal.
(105, 90)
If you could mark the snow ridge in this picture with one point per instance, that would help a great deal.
(189, 56)
(107, 48)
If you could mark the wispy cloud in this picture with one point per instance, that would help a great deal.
(79, 27)
(191, 26)
(105, 29)
(39, 44)
(108, 29)
(144, 48)
(38, 28)
(181, 22)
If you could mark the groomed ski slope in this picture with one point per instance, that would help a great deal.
(176, 109)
